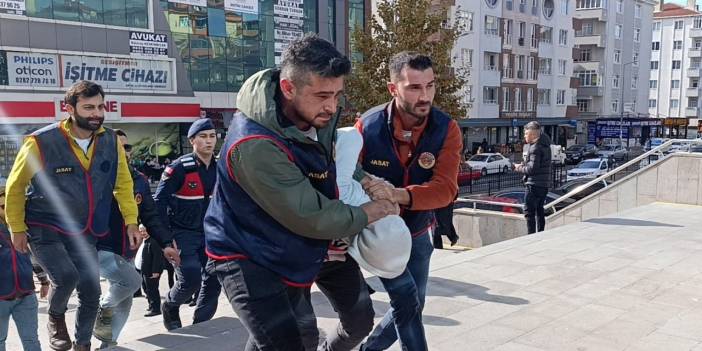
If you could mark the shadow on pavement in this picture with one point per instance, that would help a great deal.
(630, 222)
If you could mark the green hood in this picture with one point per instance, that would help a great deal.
(256, 100)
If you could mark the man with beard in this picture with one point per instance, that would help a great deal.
(275, 208)
(59, 195)
(417, 148)
(182, 198)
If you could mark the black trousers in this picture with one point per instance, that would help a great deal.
(534, 208)
(343, 284)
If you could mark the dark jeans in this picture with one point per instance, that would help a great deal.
(266, 307)
(71, 262)
(534, 208)
(407, 293)
(192, 277)
(343, 285)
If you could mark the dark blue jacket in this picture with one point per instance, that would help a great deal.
(184, 193)
(86, 194)
(380, 157)
(118, 241)
(236, 227)
(15, 269)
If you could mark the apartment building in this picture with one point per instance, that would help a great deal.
(674, 85)
(613, 43)
(519, 54)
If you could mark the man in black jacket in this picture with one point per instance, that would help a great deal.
(116, 258)
(536, 168)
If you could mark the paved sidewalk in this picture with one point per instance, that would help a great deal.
(631, 281)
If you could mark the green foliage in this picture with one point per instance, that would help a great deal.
(400, 25)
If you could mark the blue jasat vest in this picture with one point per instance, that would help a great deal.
(237, 228)
(63, 195)
(16, 273)
(118, 242)
(380, 157)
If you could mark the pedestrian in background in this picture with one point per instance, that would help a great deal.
(116, 258)
(536, 168)
(17, 297)
(182, 197)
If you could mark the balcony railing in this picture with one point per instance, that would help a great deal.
(490, 67)
(491, 31)
(507, 72)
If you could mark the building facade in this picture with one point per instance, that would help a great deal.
(520, 57)
(612, 57)
(163, 63)
(674, 85)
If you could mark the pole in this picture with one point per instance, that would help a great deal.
(621, 102)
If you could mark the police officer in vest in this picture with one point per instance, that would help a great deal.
(117, 258)
(182, 198)
(275, 207)
(59, 195)
(417, 148)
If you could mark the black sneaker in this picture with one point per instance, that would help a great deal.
(171, 316)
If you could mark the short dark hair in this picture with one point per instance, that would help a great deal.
(312, 54)
(411, 59)
(83, 88)
(120, 132)
(533, 125)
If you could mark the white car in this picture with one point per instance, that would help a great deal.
(490, 163)
(591, 168)
(616, 152)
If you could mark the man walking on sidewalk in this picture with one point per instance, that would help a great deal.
(417, 148)
(182, 198)
(275, 207)
(117, 258)
(59, 195)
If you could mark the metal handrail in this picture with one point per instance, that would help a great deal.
(486, 202)
(657, 150)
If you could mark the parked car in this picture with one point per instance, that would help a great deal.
(696, 148)
(514, 196)
(575, 184)
(489, 163)
(588, 169)
(558, 155)
(654, 143)
(466, 174)
(616, 152)
(678, 146)
(577, 153)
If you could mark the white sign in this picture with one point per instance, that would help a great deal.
(32, 69)
(246, 6)
(148, 44)
(191, 2)
(288, 23)
(15, 7)
(117, 73)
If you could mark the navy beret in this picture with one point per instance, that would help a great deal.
(200, 125)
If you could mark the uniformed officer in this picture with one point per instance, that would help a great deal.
(182, 197)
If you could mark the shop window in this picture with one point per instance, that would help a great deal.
(182, 44)
(137, 13)
(40, 8)
(91, 11)
(114, 14)
(198, 20)
(68, 10)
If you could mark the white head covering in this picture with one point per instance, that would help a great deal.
(382, 248)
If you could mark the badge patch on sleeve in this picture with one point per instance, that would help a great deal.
(166, 173)
(427, 160)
